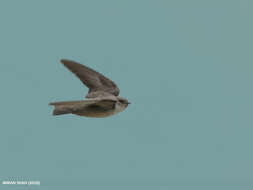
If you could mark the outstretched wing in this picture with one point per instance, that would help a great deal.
(92, 79)
(78, 106)
(107, 103)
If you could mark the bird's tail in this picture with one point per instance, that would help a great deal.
(61, 108)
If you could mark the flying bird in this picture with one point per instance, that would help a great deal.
(102, 100)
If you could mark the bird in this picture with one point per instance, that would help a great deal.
(102, 100)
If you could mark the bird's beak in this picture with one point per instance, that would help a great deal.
(128, 102)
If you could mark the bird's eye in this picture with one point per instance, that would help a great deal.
(122, 101)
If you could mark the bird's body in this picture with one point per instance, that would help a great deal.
(97, 111)
(102, 99)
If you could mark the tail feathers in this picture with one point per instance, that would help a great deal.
(60, 110)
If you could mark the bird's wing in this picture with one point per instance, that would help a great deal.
(79, 102)
(104, 103)
(92, 79)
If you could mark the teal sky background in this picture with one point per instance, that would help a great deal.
(186, 66)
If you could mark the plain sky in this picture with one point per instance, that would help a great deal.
(186, 66)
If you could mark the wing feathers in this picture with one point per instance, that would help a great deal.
(94, 80)
(106, 103)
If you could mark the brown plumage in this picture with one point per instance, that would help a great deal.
(102, 98)
(94, 80)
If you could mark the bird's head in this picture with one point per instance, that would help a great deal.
(123, 101)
